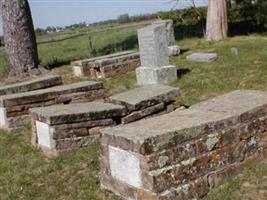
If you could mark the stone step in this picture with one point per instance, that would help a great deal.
(144, 101)
(61, 128)
(16, 106)
(150, 157)
(145, 96)
(35, 84)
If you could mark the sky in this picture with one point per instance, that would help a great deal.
(66, 12)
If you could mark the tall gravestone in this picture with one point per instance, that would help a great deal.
(169, 28)
(155, 67)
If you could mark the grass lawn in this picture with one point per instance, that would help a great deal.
(26, 174)
(53, 54)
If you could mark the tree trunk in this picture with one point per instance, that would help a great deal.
(19, 37)
(217, 25)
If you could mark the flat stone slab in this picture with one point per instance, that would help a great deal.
(47, 94)
(15, 107)
(107, 66)
(61, 128)
(73, 113)
(113, 60)
(35, 84)
(161, 129)
(86, 61)
(145, 96)
(182, 155)
(202, 57)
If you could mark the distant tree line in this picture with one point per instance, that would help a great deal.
(243, 16)
(126, 18)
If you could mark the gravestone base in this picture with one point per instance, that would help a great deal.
(159, 75)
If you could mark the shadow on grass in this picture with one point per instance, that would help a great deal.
(182, 71)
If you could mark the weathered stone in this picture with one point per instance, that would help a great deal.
(74, 113)
(153, 46)
(48, 94)
(202, 57)
(86, 61)
(162, 75)
(155, 68)
(174, 50)
(16, 105)
(146, 96)
(169, 29)
(84, 124)
(35, 84)
(65, 127)
(182, 154)
(234, 51)
(226, 110)
(136, 115)
(107, 66)
(114, 60)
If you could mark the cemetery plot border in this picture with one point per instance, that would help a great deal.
(183, 154)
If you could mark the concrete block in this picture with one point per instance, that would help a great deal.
(162, 75)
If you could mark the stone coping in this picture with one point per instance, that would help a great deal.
(72, 113)
(182, 125)
(145, 96)
(85, 61)
(46, 81)
(114, 60)
(77, 87)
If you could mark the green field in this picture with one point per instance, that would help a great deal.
(56, 49)
(26, 174)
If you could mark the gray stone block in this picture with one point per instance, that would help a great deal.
(174, 50)
(73, 113)
(145, 96)
(47, 81)
(162, 75)
(170, 30)
(153, 46)
(183, 154)
(15, 106)
(202, 57)
(234, 51)
(222, 108)
(62, 128)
